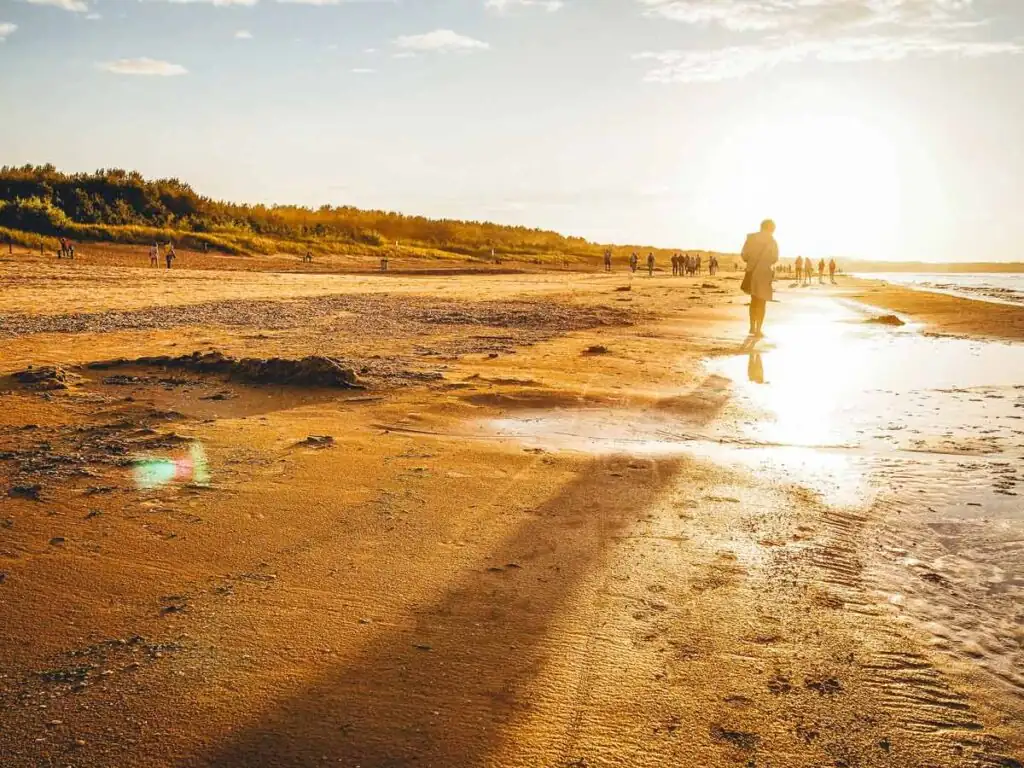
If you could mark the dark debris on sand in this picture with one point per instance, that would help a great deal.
(70, 452)
(376, 316)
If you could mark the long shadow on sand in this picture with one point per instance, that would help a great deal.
(441, 691)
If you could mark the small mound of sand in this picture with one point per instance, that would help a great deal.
(885, 320)
(318, 441)
(312, 371)
(45, 377)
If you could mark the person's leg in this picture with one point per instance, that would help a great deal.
(759, 320)
(753, 315)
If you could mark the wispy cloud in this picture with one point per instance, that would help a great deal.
(243, 34)
(363, 71)
(218, 3)
(333, 2)
(776, 32)
(744, 15)
(93, 16)
(439, 41)
(143, 66)
(739, 61)
(7, 29)
(76, 6)
(502, 6)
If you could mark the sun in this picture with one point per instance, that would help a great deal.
(831, 182)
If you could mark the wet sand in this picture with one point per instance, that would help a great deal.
(946, 314)
(559, 524)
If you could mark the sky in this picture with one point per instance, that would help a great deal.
(883, 129)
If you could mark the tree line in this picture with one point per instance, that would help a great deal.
(123, 206)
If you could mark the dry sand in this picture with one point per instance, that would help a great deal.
(414, 593)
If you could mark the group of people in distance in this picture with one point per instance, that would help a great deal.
(67, 249)
(803, 270)
(154, 254)
(688, 264)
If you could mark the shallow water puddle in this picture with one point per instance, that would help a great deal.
(926, 432)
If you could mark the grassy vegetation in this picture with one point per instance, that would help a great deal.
(122, 207)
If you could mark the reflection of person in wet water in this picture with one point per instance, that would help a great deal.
(755, 367)
(760, 252)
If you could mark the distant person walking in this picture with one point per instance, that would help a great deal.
(760, 253)
(821, 272)
(154, 255)
(608, 260)
(650, 264)
(171, 256)
(832, 271)
(384, 262)
(634, 262)
(798, 268)
(675, 265)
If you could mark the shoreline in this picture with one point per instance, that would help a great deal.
(944, 313)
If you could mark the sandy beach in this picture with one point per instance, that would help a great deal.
(533, 518)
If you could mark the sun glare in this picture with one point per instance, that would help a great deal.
(832, 182)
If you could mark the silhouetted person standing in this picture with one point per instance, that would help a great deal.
(634, 262)
(760, 253)
(170, 254)
(650, 264)
(821, 272)
(608, 260)
(832, 271)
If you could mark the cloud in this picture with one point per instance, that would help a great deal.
(6, 30)
(748, 15)
(502, 6)
(218, 3)
(143, 66)
(439, 41)
(739, 61)
(333, 2)
(363, 71)
(76, 6)
(93, 16)
(772, 33)
(243, 34)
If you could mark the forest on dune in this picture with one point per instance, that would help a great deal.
(121, 206)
